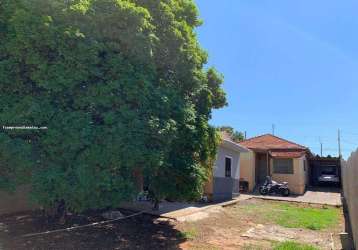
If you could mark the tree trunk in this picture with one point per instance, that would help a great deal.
(61, 212)
(57, 213)
(156, 204)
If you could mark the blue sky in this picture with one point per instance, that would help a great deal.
(289, 63)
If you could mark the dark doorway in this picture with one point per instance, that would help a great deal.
(261, 168)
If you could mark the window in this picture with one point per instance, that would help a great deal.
(227, 167)
(305, 165)
(283, 166)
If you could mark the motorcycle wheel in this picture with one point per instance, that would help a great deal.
(263, 191)
(285, 192)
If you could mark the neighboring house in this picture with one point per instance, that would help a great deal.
(272, 156)
(224, 183)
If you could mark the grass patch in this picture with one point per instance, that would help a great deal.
(188, 234)
(291, 245)
(291, 215)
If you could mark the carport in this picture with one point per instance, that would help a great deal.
(320, 166)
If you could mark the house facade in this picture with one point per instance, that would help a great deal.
(224, 182)
(269, 155)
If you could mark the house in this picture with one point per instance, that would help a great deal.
(224, 182)
(273, 156)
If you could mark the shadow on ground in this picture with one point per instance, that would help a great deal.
(139, 232)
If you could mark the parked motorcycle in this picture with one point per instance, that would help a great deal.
(271, 186)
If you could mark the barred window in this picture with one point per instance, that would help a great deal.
(227, 167)
(283, 166)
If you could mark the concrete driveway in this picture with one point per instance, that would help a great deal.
(322, 195)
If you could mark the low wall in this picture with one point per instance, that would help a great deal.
(15, 202)
(350, 192)
(225, 188)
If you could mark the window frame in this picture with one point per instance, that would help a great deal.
(290, 169)
(225, 170)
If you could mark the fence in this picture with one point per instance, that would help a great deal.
(15, 202)
(350, 192)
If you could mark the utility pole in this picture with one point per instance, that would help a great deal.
(273, 129)
(245, 135)
(339, 144)
(320, 142)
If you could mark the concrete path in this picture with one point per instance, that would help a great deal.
(179, 210)
(324, 196)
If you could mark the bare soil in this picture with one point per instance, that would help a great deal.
(236, 227)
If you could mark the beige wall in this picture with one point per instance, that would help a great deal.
(247, 168)
(15, 202)
(296, 181)
(350, 191)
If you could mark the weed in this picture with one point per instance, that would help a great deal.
(291, 245)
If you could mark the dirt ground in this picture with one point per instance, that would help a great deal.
(233, 227)
(236, 227)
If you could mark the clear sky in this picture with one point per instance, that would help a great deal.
(289, 63)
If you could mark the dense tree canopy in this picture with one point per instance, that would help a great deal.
(120, 85)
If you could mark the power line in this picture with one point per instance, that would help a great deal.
(349, 133)
(350, 142)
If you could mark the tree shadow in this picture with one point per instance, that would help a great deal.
(138, 232)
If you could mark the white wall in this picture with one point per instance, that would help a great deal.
(219, 168)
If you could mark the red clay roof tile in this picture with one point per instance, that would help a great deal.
(270, 142)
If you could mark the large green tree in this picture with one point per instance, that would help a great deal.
(121, 87)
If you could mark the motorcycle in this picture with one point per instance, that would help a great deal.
(271, 186)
